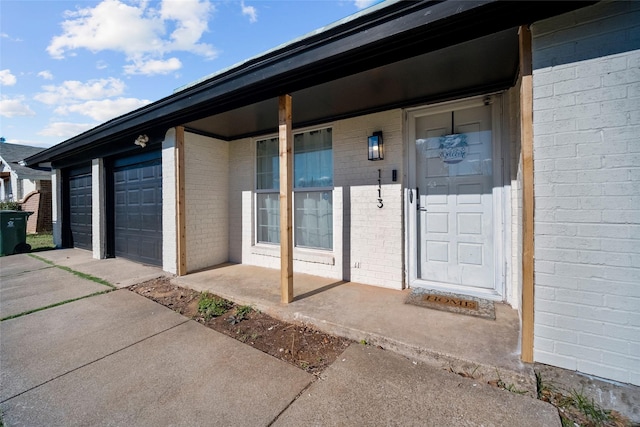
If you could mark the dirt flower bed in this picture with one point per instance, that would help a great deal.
(313, 351)
(300, 345)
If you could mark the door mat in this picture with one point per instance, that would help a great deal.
(453, 303)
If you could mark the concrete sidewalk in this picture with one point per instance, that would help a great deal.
(119, 272)
(121, 359)
(487, 348)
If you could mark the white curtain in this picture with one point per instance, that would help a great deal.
(314, 219)
(272, 205)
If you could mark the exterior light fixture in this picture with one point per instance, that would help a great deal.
(376, 151)
(141, 140)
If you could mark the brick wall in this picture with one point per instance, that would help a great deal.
(98, 209)
(31, 203)
(39, 202)
(375, 236)
(45, 209)
(514, 196)
(587, 184)
(241, 185)
(169, 230)
(368, 242)
(56, 206)
(207, 195)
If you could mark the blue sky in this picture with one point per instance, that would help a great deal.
(67, 66)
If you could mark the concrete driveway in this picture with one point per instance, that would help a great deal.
(118, 358)
(121, 359)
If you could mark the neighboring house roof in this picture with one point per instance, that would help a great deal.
(12, 154)
(385, 57)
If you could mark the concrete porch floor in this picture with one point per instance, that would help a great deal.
(484, 349)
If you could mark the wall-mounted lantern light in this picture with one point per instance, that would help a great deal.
(141, 140)
(376, 151)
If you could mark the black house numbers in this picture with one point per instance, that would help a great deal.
(380, 204)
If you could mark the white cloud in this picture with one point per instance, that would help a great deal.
(46, 74)
(111, 25)
(153, 66)
(7, 36)
(14, 107)
(101, 65)
(191, 21)
(72, 91)
(105, 109)
(363, 4)
(91, 98)
(65, 130)
(250, 11)
(136, 30)
(6, 78)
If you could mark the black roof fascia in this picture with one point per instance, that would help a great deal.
(390, 34)
(115, 148)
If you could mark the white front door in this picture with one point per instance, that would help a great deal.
(455, 244)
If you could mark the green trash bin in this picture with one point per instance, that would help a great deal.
(13, 232)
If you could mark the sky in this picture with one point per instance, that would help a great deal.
(68, 66)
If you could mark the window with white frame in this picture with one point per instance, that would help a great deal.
(313, 190)
(268, 191)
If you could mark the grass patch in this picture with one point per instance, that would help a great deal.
(212, 306)
(577, 409)
(590, 409)
(35, 310)
(74, 272)
(40, 242)
(243, 311)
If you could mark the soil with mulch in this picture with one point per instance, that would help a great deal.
(300, 345)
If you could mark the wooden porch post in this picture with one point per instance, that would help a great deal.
(181, 227)
(526, 128)
(286, 188)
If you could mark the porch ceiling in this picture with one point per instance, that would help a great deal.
(481, 65)
(397, 54)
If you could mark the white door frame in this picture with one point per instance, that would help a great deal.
(500, 211)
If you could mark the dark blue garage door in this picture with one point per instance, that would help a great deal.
(138, 210)
(80, 207)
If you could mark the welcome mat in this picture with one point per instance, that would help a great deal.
(453, 303)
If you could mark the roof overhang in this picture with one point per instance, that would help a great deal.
(403, 54)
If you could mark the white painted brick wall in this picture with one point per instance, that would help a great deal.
(376, 234)
(169, 230)
(241, 186)
(372, 251)
(56, 206)
(587, 183)
(512, 138)
(98, 214)
(207, 196)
